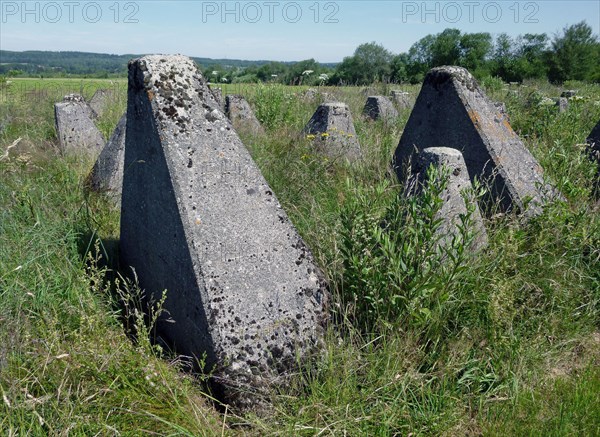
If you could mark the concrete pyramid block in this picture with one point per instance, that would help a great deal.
(501, 107)
(379, 107)
(452, 111)
(241, 115)
(75, 128)
(457, 193)
(332, 129)
(199, 220)
(107, 174)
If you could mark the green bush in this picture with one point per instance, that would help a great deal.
(275, 105)
(396, 270)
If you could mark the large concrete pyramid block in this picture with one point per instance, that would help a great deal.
(457, 196)
(332, 129)
(199, 220)
(241, 115)
(107, 174)
(452, 111)
(75, 128)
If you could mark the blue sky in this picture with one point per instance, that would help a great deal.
(274, 30)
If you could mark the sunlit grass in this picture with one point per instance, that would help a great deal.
(508, 346)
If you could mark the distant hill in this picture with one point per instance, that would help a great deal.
(94, 64)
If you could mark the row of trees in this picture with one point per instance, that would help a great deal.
(573, 54)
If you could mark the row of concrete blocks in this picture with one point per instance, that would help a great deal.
(376, 107)
(199, 220)
(331, 126)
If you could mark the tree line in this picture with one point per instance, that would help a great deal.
(573, 54)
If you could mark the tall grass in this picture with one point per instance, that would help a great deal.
(505, 341)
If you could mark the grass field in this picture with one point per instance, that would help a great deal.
(503, 343)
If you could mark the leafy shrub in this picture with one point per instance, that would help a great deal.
(492, 83)
(274, 104)
(395, 269)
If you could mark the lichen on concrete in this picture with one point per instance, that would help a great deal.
(199, 220)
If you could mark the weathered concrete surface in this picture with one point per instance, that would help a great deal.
(107, 174)
(241, 115)
(501, 107)
(199, 220)
(452, 111)
(332, 129)
(75, 129)
(218, 94)
(401, 99)
(100, 101)
(458, 192)
(379, 107)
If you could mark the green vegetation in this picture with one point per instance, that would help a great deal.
(573, 54)
(503, 343)
(93, 65)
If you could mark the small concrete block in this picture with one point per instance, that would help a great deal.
(75, 129)
(241, 115)
(380, 107)
(455, 196)
(332, 129)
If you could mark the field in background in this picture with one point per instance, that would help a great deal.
(508, 344)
